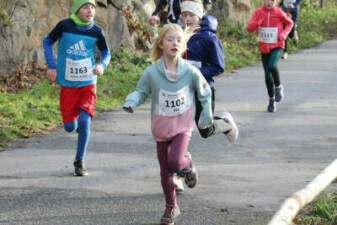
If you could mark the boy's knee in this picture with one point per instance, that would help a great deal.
(70, 127)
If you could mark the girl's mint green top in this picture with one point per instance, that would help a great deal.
(172, 102)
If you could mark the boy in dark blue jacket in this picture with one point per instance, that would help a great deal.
(205, 51)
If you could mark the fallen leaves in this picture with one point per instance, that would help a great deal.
(23, 78)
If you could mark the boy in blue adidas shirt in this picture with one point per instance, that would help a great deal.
(76, 71)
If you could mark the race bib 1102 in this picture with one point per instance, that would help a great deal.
(268, 34)
(174, 103)
(78, 70)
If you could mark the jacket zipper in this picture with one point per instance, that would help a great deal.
(268, 25)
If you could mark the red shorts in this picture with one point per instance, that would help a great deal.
(74, 99)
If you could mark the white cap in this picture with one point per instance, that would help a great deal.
(193, 7)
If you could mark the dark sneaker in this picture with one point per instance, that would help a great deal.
(191, 178)
(279, 94)
(169, 216)
(272, 105)
(177, 178)
(80, 170)
(190, 174)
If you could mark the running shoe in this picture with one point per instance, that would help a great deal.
(190, 175)
(285, 55)
(178, 184)
(80, 170)
(169, 216)
(279, 94)
(272, 105)
(233, 134)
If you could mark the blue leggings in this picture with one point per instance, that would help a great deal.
(271, 72)
(83, 126)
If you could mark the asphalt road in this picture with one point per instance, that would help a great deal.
(242, 184)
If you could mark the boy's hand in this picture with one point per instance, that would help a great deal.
(128, 109)
(98, 70)
(51, 75)
(153, 20)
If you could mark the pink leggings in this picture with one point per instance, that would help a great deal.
(171, 157)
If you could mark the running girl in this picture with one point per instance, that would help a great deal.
(172, 83)
(272, 26)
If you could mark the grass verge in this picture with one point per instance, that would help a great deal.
(323, 211)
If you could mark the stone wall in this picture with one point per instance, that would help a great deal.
(33, 19)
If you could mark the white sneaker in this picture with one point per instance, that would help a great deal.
(178, 184)
(285, 55)
(232, 135)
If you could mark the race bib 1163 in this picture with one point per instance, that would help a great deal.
(78, 70)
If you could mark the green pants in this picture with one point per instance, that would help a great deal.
(271, 72)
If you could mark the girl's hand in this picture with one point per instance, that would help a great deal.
(153, 20)
(282, 37)
(51, 75)
(98, 70)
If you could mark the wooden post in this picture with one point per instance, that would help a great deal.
(292, 205)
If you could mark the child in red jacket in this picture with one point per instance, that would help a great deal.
(272, 26)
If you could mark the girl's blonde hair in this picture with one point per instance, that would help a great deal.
(157, 50)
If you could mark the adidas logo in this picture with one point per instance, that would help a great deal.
(78, 49)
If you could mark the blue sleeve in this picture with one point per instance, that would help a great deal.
(48, 52)
(48, 43)
(103, 48)
(106, 56)
(215, 64)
